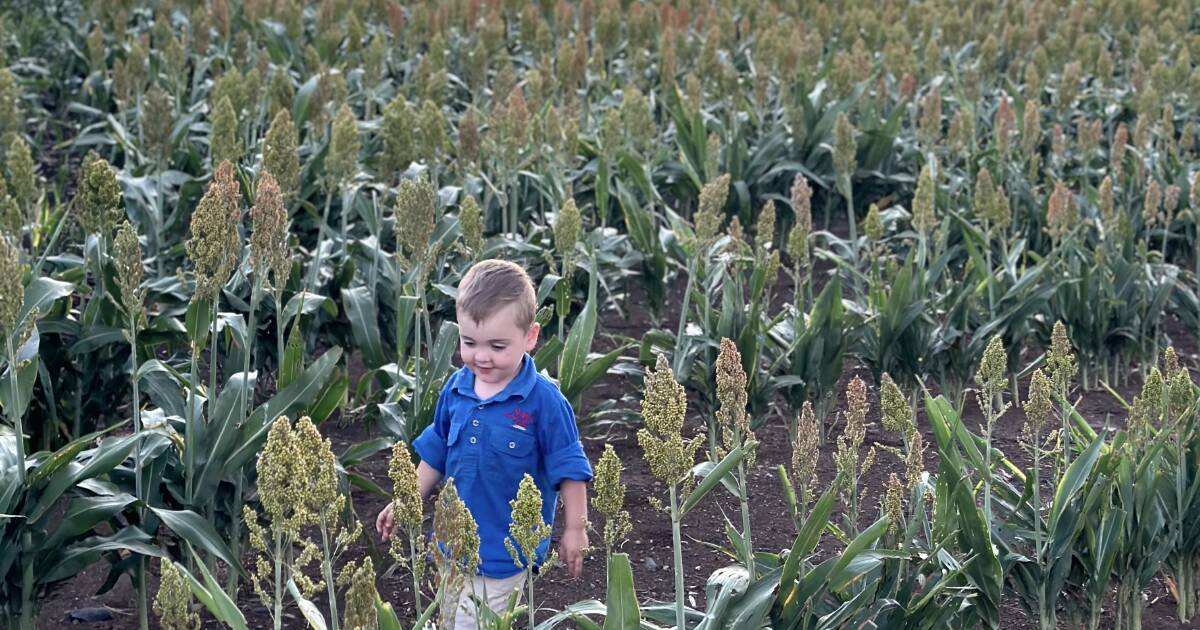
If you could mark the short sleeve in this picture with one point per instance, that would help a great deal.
(431, 444)
(562, 452)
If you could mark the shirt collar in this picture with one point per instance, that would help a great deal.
(519, 386)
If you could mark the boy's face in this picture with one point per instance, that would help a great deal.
(494, 347)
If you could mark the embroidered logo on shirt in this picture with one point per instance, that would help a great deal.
(520, 419)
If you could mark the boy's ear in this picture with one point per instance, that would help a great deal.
(531, 337)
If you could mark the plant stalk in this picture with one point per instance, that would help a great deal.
(677, 546)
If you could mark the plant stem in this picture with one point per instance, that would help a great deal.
(235, 537)
(676, 544)
(214, 356)
(139, 491)
(744, 492)
(26, 619)
(327, 569)
(315, 270)
(279, 324)
(191, 427)
(412, 553)
(680, 349)
(278, 580)
(529, 583)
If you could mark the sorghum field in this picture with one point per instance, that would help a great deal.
(872, 315)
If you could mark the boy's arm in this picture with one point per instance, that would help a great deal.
(427, 478)
(574, 539)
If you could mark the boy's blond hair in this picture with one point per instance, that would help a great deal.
(490, 285)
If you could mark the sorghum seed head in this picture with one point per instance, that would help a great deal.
(1059, 211)
(225, 142)
(1006, 120)
(173, 602)
(280, 156)
(566, 230)
(455, 541)
(805, 450)
(1151, 203)
(845, 147)
(663, 407)
(764, 229)
(873, 225)
(280, 469)
(990, 376)
(527, 529)
(400, 127)
(1170, 361)
(158, 119)
(1152, 394)
(731, 392)
(269, 234)
(1107, 203)
(344, 146)
(1180, 392)
(128, 253)
(924, 216)
(361, 597)
(99, 198)
(893, 406)
(1116, 152)
(22, 174)
(470, 221)
(416, 215)
(215, 244)
(12, 292)
(893, 506)
(1171, 201)
(406, 493)
(1038, 406)
(711, 212)
(1060, 360)
(914, 462)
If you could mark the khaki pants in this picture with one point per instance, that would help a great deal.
(494, 591)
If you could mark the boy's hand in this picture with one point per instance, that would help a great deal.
(570, 548)
(384, 523)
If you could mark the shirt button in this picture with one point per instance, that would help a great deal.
(512, 445)
(472, 439)
(475, 422)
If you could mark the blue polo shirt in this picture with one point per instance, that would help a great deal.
(487, 446)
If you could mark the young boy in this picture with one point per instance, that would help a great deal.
(497, 418)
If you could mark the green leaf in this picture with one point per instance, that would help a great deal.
(579, 341)
(198, 322)
(364, 323)
(299, 393)
(386, 616)
(213, 596)
(293, 358)
(724, 467)
(83, 514)
(622, 609)
(28, 361)
(195, 530)
(310, 611)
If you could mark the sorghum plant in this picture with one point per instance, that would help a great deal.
(736, 433)
(214, 250)
(128, 254)
(609, 500)
(173, 602)
(454, 547)
(669, 455)
(991, 381)
(407, 511)
(525, 535)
